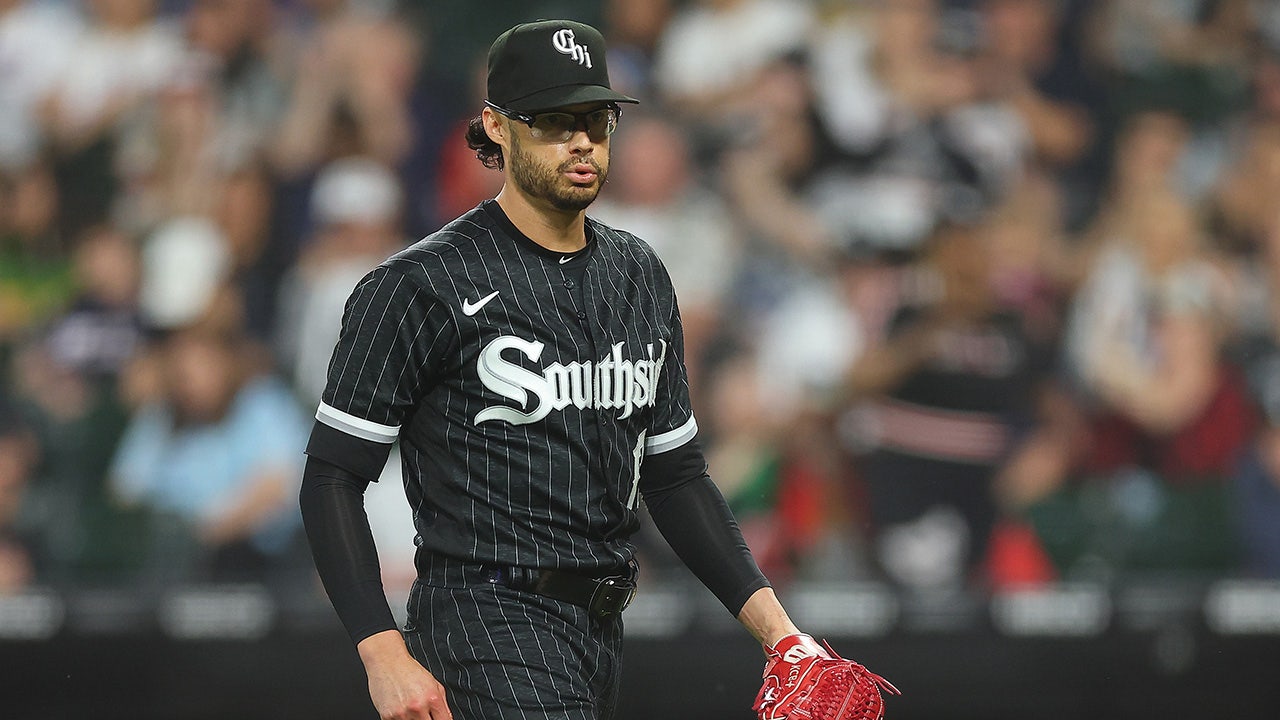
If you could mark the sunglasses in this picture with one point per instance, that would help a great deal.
(558, 127)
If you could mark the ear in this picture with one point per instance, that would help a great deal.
(494, 126)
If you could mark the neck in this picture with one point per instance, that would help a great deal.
(554, 229)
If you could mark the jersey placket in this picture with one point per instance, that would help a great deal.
(582, 291)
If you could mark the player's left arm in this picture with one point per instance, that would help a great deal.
(686, 506)
(692, 515)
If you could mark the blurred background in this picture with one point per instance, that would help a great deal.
(982, 303)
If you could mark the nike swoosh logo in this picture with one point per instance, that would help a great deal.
(471, 308)
(566, 259)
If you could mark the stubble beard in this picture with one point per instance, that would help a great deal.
(549, 184)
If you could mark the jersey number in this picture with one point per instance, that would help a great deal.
(637, 455)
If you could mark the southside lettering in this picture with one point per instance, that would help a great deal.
(614, 383)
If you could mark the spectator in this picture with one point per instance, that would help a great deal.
(1030, 64)
(97, 111)
(350, 96)
(659, 194)
(768, 175)
(66, 382)
(1150, 154)
(36, 280)
(1191, 56)
(1168, 415)
(216, 460)
(1030, 256)
(212, 119)
(779, 505)
(236, 51)
(634, 29)
(795, 301)
(243, 210)
(1243, 202)
(36, 41)
(1142, 337)
(356, 208)
(941, 406)
(462, 183)
(711, 53)
(909, 140)
(354, 68)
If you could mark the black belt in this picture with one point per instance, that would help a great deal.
(602, 596)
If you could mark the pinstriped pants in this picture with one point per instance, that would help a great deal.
(508, 654)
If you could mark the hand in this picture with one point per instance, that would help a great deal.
(803, 679)
(794, 648)
(400, 688)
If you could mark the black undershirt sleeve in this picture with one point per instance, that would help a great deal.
(361, 458)
(692, 515)
(332, 501)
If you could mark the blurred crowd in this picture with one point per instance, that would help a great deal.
(976, 293)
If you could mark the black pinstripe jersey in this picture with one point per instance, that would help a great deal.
(525, 388)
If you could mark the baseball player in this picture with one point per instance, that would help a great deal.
(529, 361)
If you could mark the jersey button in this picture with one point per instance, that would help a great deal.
(582, 315)
(568, 284)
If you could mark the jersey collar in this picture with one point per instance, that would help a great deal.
(495, 213)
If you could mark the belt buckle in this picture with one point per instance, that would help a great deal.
(612, 595)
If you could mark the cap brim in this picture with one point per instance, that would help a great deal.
(566, 95)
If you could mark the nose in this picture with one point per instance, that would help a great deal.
(580, 139)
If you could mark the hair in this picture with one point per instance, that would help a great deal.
(488, 151)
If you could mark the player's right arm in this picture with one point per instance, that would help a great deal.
(332, 501)
(393, 336)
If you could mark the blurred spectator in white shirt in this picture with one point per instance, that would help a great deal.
(712, 51)
(99, 110)
(1168, 416)
(37, 39)
(355, 208)
(913, 135)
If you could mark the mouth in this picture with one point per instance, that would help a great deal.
(582, 173)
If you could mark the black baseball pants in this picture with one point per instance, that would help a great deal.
(505, 654)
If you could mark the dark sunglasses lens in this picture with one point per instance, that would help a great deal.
(601, 123)
(554, 126)
(558, 127)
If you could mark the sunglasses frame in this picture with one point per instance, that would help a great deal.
(579, 120)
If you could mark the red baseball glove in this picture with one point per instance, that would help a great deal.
(805, 681)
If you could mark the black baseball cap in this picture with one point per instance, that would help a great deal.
(549, 64)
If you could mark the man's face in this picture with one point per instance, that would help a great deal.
(567, 175)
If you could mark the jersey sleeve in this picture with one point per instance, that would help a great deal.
(394, 339)
(673, 423)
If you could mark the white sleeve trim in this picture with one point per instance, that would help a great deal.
(671, 439)
(358, 427)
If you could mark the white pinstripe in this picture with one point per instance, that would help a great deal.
(399, 279)
(358, 294)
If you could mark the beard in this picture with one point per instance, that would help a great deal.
(542, 182)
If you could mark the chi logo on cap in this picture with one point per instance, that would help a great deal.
(564, 43)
